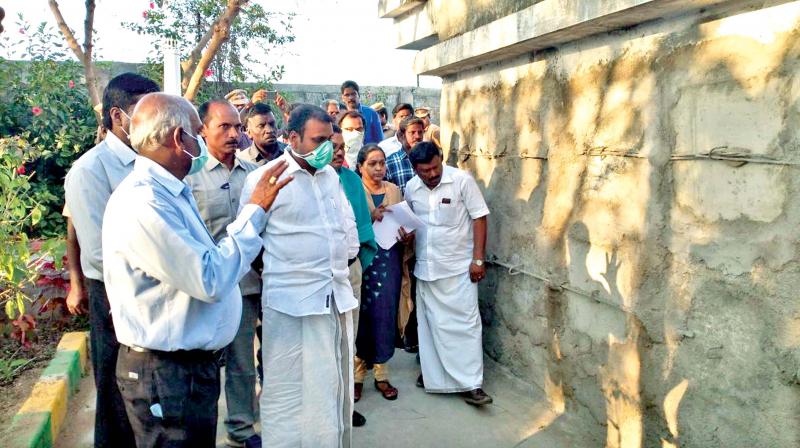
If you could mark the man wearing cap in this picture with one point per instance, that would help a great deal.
(380, 108)
(431, 130)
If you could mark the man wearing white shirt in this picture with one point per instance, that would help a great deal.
(399, 113)
(87, 187)
(307, 298)
(450, 252)
(173, 292)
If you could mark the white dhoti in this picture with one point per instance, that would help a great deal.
(306, 400)
(450, 339)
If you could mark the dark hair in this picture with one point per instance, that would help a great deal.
(349, 85)
(202, 111)
(257, 109)
(402, 106)
(337, 129)
(382, 112)
(123, 91)
(300, 115)
(365, 150)
(409, 121)
(423, 152)
(350, 113)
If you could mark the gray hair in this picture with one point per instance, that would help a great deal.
(152, 130)
(334, 102)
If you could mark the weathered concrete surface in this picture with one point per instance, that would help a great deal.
(678, 322)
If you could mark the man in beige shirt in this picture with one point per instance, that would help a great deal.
(431, 130)
(217, 188)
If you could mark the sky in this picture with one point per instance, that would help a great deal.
(335, 40)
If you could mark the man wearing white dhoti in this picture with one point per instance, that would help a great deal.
(450, 252)
(306, 399)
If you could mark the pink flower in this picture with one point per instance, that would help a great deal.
(36, 110)
(21, 170)
(22, 31)
(144, 14)
(208, 73)
(152, 5)
(71, 84)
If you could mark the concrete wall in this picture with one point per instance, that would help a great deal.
(654, 289)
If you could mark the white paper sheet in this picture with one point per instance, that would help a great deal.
(397, 215)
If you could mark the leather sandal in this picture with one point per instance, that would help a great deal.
(388, 391)
(357, 389)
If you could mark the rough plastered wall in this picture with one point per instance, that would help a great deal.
(669, 314)
(453, 17)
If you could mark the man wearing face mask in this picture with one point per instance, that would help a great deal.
(217, 188)
(263, 131)
(352, 125)
(173, 290)
(307, 299)
(87, 187)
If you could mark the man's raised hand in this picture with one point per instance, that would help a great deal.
(268, 186)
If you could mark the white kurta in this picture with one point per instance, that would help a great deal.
(449, 328)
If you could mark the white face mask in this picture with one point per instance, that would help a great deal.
(353, 141)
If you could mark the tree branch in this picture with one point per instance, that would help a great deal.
(84, 54)
(221, 32)
(62, 25)
(188, 66)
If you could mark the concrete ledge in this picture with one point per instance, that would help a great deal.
(392, 8)
(38, 421)
(543, 25)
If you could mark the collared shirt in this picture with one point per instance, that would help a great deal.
(391, 145)
(169, 285)
(372, 125)
(310, 237)
(444, 245)
(216, 191)
(253, 155)
(388, 131)
(432, 135)
(398, 169)
(87, 187)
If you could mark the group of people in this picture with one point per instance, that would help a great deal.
(192, 232)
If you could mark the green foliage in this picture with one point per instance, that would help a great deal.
(253, 34)
(44, 105)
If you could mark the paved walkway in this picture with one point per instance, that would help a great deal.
(517, 418)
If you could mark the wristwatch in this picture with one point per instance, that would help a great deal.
(478, 263)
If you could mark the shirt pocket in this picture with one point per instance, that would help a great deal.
(447, 214)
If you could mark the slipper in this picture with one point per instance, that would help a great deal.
(388, 391)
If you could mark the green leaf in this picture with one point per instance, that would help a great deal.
(10, 309)
(36, 215)
(21, 303)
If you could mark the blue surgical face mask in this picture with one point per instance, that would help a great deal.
(198, 161)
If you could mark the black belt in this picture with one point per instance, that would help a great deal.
(197, 355)
(351, 261)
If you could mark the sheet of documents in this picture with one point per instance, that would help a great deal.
(386, 231)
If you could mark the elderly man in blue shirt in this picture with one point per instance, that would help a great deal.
(373, 132)
(173, 291)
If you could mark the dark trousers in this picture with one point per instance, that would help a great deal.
(111, 427)
(240, 374)
(171, 397)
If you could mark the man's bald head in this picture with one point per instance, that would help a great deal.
(155, 118)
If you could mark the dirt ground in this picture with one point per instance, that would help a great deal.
(13, 395)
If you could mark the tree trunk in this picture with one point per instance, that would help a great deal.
(221, 32)
(84, 54)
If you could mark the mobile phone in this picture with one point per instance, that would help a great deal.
(272, 95)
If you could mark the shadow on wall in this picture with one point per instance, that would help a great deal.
(644, 187)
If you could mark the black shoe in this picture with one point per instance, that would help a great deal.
(358, 419)
(253, 441)
(420, 381)
(477, 397)
(411, 348)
